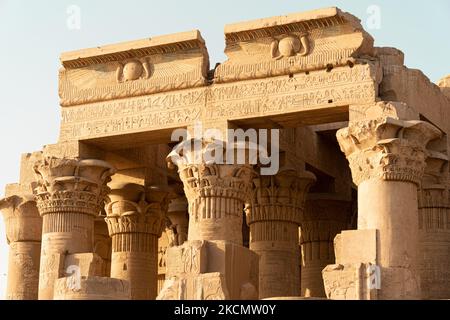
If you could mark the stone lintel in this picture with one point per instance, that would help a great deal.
(135, 68)
(133, 49)
(294, 43)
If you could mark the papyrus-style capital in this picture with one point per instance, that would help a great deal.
(216, 189)
(387, 149)
(72, 185)
(21, 217)
(280, 197)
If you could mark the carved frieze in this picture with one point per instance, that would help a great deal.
(275, 96)
(294, 43)
(134, 68)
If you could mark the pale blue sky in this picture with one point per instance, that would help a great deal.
(34, 33)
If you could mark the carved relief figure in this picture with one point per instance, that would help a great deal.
(133, 70)
(290, 46)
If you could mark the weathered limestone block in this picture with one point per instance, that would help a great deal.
(444, 84)
(136, 219)
(91, 288)
(356, 246)
(133, 68)
(387, 159)
(417, 91)
(354, 276)
(325, 215)
(23, 233)
(84, 264)
(434, 230)
(348, 282)
(294, 43)
(274, 215)
(231, 270)
(70, 194)
(103, 244)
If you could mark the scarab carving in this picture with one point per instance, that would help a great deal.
(133, 70)
(290, 46)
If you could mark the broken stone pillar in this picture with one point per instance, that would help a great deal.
(274, 215)
(325, 216)
(387, 159)
(179, 219)
(23, 232)
(175, 234)
(70, 194)
(136, 219)
(103, 244)
(212, 264)
(434, 229)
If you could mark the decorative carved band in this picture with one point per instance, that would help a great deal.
(133, 210)
(65, 221)
(154, 224)
(387, 149)
(134, 242)
(71, 185)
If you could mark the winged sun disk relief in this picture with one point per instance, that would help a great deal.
(290, 46)
(133, 70)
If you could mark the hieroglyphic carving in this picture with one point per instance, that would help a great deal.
(132, 115)
(348, 282)
(274, 96)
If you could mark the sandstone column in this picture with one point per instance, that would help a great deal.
(434, 229)
(274, 217)
(136, 219)
(23, 232)
(325, 216)
(212, 264)
(70, 195)
(387, 159)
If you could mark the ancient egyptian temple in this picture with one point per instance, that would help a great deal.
(358, 209)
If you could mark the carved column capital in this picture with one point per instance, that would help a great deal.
(280, 197)
(325, 216)
(22, 219)
(387, 149)
(434, 187)
(71, 185)
(216, 190)
(135, 209)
